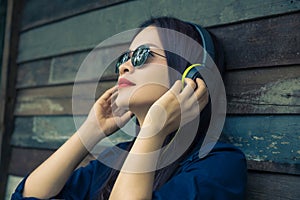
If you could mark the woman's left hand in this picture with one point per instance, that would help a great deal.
(176, 107)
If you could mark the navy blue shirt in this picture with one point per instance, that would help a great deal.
(221, 174)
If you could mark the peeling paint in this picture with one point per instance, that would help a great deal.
(238, 145)
(37, 139)
(273, 145)
(281, 95)
(275, 152)
(42, 104)
(284, 142)
(258, 138)
(256, 157)
(281, 92)
(276, 136)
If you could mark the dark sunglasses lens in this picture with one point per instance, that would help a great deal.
(140, 56)
(122, 59)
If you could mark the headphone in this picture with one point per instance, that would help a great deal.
(193, 71)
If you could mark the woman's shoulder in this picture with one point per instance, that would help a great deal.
(222, 158)
(220, 174)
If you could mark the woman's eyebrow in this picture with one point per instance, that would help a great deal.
(153, 45)
(149, 44)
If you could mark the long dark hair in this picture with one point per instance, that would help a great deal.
(180, 64)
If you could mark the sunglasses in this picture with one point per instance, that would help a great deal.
(138, 58)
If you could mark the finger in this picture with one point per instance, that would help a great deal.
(109, 92)
(114, 107)
(125, 118)
(190, 82)
(176, 88)
(113, 97)
(188, 90)
(201, 88)
(117, 110)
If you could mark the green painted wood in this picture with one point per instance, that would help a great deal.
(88, 30)
(274, 138)
(50, 132)
(56, 10)
(59, 99)
(64, 69)
(268, 90)
(260, 137)
(265, 91)
(34, 74)
(269, 42)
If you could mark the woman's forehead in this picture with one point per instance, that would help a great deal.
(148, 35)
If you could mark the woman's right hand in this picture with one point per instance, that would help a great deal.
(105, 117)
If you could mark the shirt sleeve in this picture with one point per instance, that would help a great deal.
(77, 187)
(84, 182)
(221, 175)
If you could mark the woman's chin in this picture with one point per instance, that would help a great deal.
(122, 104)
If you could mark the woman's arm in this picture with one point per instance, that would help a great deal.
(50, 177)
(132, 183)
(175, 106)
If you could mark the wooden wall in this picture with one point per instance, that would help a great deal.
(261, 41)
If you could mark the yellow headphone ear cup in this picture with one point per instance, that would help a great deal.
(186, 71)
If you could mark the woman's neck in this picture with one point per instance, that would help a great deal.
(140, 113)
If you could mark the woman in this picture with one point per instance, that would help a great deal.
(162, 116)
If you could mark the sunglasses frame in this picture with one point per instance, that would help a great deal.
(145, 55)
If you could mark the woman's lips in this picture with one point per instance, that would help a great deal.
(123, 82)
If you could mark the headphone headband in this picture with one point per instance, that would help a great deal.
(193, 71)
(207, 42)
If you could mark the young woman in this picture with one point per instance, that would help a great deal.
(163, 108)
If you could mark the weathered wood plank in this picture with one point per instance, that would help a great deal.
(274, 167)
(269, 90)
(261, 138)
(269, 186)
(269, 42)
(3, 7)
(266, 42)
(55, 11)
(88, 30)
(51, 132)
(8, 85)
(64, 69)
(25, 160)
(59, 99)
(34, 74)
(12, 183)
(261, 186)
(266, 91)
(50, 12)
(266, 138)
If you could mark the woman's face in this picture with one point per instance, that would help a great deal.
(149, 81)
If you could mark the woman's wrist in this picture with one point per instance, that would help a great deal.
(144, 155)
(90, 135)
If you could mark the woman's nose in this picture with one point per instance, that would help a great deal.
(126, 67)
